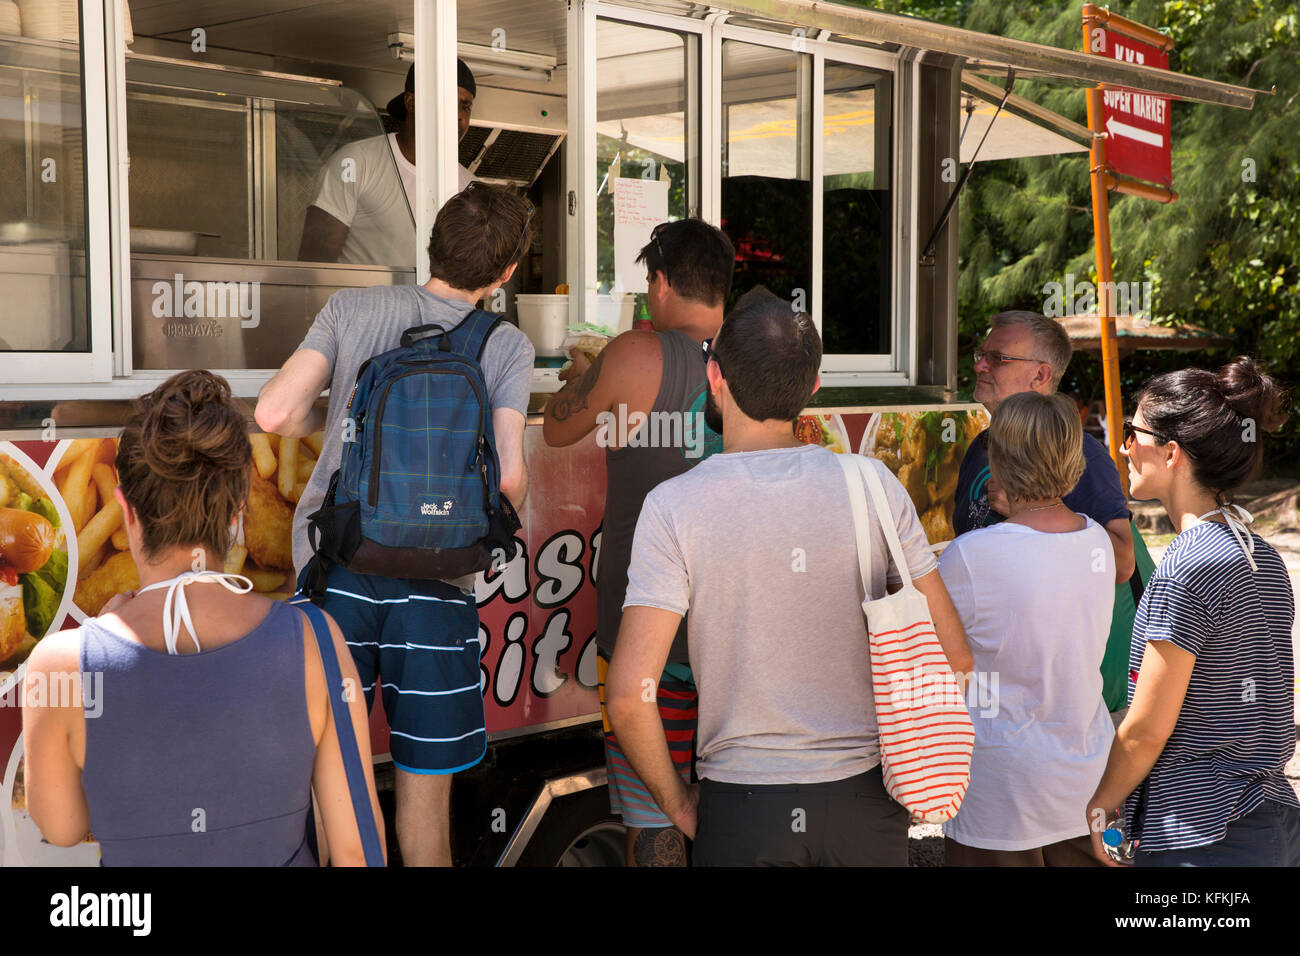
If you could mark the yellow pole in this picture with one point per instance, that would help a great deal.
(1105, 277)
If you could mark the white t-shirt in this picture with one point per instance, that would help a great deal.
(369, 186)
(1036, 607)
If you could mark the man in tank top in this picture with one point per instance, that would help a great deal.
(644, 398)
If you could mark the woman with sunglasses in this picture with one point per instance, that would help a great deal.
(1195, 774)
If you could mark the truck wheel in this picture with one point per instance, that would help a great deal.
(578, 830)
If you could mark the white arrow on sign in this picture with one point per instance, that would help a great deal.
(1115, 128)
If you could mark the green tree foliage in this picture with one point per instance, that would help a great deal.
(1226, 255)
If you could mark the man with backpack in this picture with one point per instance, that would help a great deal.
(657, 375)
(454, 448)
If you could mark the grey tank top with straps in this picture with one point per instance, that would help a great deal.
(673, 434)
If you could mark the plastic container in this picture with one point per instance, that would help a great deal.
(50, 19)
(545, 320)
(616, 311)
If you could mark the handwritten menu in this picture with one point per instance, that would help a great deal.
(639, 206)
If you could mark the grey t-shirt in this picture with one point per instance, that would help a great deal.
(759, 547)
(359, 323)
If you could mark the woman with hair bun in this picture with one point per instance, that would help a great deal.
(199, 720)
(1198, 761)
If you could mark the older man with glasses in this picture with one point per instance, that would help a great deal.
(1028, 352)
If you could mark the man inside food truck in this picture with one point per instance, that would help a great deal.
(364, 207)
(658, 376)
(393, 626)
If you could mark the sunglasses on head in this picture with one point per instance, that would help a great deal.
(996, 359)
(663, 260)
(528, 219)
(709, 353)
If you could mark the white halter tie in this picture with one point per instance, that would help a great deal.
(176, 610)
(1237, 525)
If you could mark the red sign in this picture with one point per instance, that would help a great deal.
(1136, 123)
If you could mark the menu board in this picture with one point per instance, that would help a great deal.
(639, 206)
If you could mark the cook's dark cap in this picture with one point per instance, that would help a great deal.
(397, 105)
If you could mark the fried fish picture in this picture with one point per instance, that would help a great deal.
(261, 552)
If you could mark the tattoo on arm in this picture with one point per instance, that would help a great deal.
(573, 397)
(661, 846)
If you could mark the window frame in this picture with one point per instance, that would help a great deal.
(895, 367)
(97, 43)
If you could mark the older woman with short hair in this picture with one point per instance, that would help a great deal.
(1035, 595)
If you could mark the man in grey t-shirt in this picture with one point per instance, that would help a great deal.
(418, 639)
(758, 544)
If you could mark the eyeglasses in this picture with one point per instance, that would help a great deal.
(519, 249)
(709, 353)
(528, 219)
(996, 359)
(663, 260)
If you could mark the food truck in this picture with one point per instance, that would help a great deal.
(158, 161)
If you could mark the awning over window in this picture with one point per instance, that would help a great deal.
(990, 54)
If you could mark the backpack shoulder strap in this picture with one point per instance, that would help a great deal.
(469, 338)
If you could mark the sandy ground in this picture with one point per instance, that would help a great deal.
(926, 841)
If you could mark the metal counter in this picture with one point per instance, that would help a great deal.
(189, 312)
(98, 417)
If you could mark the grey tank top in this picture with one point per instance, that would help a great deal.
(200, 759)
(631, 472)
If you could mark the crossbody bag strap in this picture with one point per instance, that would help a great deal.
(858, 504)
(885, 516)
(361, 805)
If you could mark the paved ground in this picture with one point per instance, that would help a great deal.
(1276, 506)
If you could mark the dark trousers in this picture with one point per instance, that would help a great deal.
(851, 822)
(1075, 852)
(1267, 836)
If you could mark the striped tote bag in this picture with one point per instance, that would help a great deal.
(926, 735)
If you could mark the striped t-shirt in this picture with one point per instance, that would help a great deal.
(1236, 730)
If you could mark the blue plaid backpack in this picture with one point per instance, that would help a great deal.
(417, 494)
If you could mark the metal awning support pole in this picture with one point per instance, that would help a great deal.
(1105, 277)
(436, 156)
(927, 255)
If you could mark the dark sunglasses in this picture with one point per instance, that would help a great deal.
(1130, 436)
(997, 359)
(663, 260)
(709, 353)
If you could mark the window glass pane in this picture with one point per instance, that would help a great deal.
(766, 183)
(178, 139)
(645, 144)
(42, 185)
(856, 211)
(308, 139)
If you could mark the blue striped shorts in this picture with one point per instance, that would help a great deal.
(418, 640)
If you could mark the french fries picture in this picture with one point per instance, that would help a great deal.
(86, 476)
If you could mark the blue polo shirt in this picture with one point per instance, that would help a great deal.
(1099, 494)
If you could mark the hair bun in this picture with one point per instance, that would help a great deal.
(1252, 394)
(190, 428)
